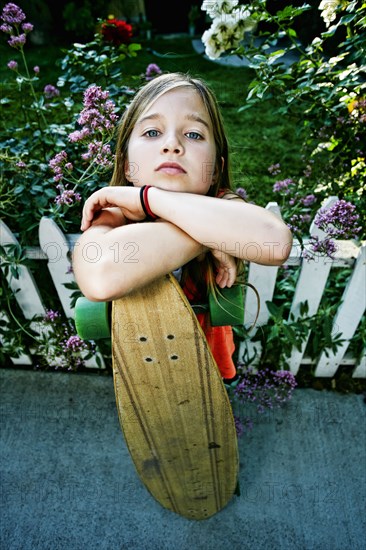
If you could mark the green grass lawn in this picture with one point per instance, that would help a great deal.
(258, 136)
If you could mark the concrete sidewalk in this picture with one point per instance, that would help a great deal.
(67, 481)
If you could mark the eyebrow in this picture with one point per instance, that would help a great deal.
(196, 118)
(193, 117)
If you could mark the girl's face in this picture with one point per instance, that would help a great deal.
(172, 145)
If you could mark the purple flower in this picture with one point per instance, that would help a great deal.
(265, 388)
(50, 91)
(285, 377)
(93, 96)
(12, 14)
(27, 27)
(74, 343)
(308, 200)
(97, 115)
(152, 71)
(242, 193)
(58, 164)
(298, 222)
(274, 169)
(17, 41)
(6, 28)
(51, 315)
(67, 196)
(283, 186)
(100, 154)
(36, 69)
(325, 247)
(339, 220)
(13, 65)
(79, 135)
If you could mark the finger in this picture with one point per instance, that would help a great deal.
(86, 218)
(91, 207)
(221, 278)
(231, 278)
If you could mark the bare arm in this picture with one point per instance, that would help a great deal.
(110, 262)
(238, 228)
(192, 224)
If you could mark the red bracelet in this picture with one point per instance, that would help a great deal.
(145, 203)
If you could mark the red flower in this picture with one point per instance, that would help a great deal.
(117, 31)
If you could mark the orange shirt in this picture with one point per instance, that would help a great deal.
(220, 339)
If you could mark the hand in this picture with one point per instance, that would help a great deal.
(112, 217)
(127, 199)
(226, 266)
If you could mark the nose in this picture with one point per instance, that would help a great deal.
(172, 144)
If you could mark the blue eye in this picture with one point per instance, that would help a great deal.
(152, 133)
(194, 135)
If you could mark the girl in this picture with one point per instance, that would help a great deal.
(172, 176)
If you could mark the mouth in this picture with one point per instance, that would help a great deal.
(170, 168)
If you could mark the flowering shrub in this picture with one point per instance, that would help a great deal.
(15, 26)
(326, 96)
(53, 166)
(97, 121)
(116, 31)
(265, 389)
(57, 344)
(338, 222)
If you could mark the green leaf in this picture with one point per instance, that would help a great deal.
(345, 19)
(134, 47)
(274, 310)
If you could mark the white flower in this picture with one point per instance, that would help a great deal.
(215, 8)
(328, 10)
(212, 44)
(243, 18)
(228, 27)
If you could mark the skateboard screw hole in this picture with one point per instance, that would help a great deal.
(143, 339)
(170, 336)
(174, 357)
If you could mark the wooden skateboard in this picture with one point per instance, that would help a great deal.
(173, 407)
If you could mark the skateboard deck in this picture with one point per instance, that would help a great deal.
(173, 407)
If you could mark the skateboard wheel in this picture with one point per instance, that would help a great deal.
(92, 319)
(227, 306)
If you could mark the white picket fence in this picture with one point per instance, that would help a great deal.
(56, 247)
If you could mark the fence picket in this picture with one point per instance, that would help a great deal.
(57, 247)
(263, 278)
(348, 316)
(360, 370)
(310, 287)
(24, 288)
